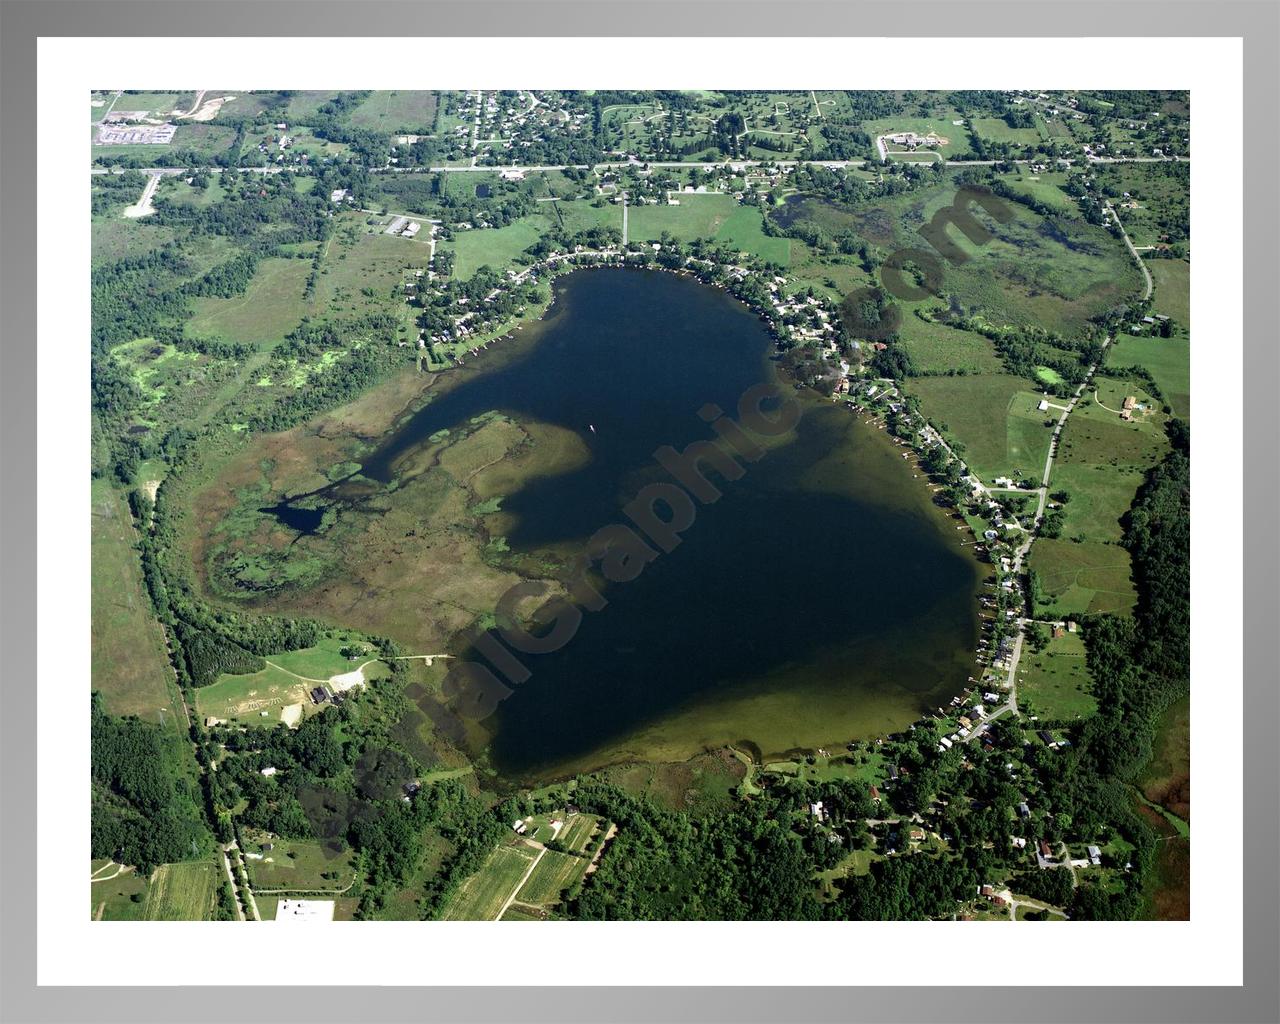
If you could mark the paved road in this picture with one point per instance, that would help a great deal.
(732, 165)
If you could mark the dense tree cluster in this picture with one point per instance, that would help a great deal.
(146, 807)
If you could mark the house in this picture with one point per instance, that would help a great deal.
(319, 695)
(1044, 405)
(1024, 811)
(1045, 736)
(269, 771)
(875, 794)
(1045, 851)
(1019, 841)
(1095, 855)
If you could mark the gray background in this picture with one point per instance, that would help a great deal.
(1258, 1000)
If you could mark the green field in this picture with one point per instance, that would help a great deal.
(996, 129)
(1168, 359)
(270, 308)
(493, 247)
(994, 417)
(130, 664)
(119, 898)
(714, 216)
(410, 110)
(957, 136)
(1045, 188)
(287, 679)
(1078, 578)
(1055, 684)
(1102, 461)
(298, 866)
(481, 897)
(939, 348)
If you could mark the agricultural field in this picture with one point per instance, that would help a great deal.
(1054, 683)
(555, 873)
(185, 891)
(483, 895)
(130, 662)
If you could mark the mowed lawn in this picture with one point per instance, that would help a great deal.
(270, 308)
(287, 679)
(1055, 683)
(481, 897)
(130, 665)
(994, 417)
(493, 247)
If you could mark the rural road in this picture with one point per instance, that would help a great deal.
(732, 165)
(1142, 264)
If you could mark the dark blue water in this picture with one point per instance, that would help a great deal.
(822, 585)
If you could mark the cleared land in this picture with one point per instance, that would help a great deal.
(713, 216)
(183, 892)
(270, 308)
(1055, 684)
(994, 417)
(1102, 461)
(298, 866)
(130, 663)
(483, 895)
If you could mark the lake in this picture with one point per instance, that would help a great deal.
(823, 598)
